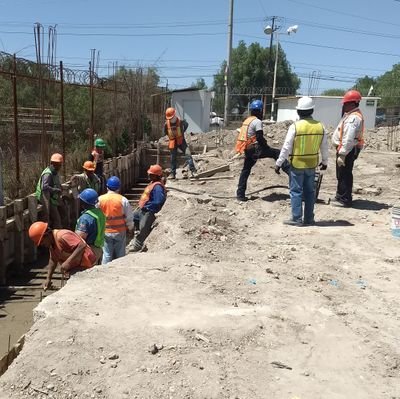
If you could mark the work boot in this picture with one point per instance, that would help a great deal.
(171, 177)
(292, 222)
(242, 199)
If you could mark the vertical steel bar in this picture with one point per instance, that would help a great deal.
(16, 132)
(115, 111)
(91, 134)
(63, 118)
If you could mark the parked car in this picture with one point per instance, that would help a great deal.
(215, 120)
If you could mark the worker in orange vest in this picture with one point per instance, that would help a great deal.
(251, 142)
(65, 247)
(119, 219)
(348, 138)
(150, 203)
(174, 129)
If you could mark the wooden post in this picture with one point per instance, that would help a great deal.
(19, 255)
(33, 216)
(3, 244)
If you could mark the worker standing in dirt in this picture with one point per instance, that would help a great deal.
(48, 192)
(150, 203)
(252, 144)
(119, 219)
(92, 222)
(87, 179)
(97, 157)
(175, 129)
(304, 140)
(65, 247)
(348, 139)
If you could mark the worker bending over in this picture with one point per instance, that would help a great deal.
(65, 247)
(150, 203)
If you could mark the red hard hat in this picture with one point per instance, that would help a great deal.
(57, 158)
(36, 232)
(352, 96)
(155, 170)
(170, 113)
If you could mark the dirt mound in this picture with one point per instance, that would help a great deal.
(230, 303)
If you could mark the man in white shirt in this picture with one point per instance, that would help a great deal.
(349, 141)
(304, 140)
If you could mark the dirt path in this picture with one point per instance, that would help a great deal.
(237, 304)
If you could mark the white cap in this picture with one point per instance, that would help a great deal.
(305, 103)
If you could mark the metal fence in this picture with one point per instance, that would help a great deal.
(49, 108)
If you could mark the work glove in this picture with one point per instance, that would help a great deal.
(277, 169)
(322, 166)
(341, 160)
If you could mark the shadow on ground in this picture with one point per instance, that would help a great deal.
(368, 205)
(333, 223)
(276, 197)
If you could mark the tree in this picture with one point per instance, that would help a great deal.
(334, 92)
(388, 87)
(199, 84)
(249, 76)
(364, 84)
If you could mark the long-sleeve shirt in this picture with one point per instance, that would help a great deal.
(288, 146)
(352, 130)
(156, 200)
(128, 213)
(49, 182)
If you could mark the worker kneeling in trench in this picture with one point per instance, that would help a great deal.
(65, 247)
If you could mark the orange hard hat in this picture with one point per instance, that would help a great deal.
(170, 113)
(57, 158)
(352, 96)
(36, 232)
(89, 165)
(155, 170)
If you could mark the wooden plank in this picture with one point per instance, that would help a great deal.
(211, 172)
(19, 236)
(33, 215)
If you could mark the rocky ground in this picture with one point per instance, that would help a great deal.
(230, 303)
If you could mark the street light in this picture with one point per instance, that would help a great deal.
(268, 30)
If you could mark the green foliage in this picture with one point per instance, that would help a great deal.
(333, 92)
(199, 84)
(250, 73)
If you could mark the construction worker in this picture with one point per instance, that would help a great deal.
(348, 138)
(87, 179)
(119, 218)
(97, 157)
(150, 203)
(65, 247)
(304, 140)
(48, 193)
(252, 144)
(175, 129)
(92, 222)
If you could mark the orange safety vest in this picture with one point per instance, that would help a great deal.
(243, 140)
(174, 133)
(88, 259)
(111, 205)
(360, 138)
(144, 199)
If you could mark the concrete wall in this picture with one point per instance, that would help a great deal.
(195, 107)
(327, 110)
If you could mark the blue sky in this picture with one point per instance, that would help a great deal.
(336, 40)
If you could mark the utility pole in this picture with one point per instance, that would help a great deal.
(228, 63)
(269, 96)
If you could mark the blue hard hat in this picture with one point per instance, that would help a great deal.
(113, 183)
(89, 196)
(256, 105)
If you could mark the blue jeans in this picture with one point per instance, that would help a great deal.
(184, 148)
(114, 246)
(302, 186)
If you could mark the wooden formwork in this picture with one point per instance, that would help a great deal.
(16, 249)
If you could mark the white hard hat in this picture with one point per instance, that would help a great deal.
(305, 103)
